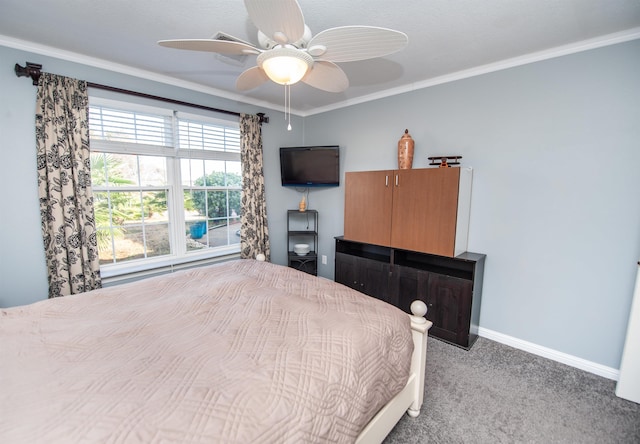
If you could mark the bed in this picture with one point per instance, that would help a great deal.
(237, 352)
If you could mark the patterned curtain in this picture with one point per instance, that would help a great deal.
(64, 186)
(254, 233)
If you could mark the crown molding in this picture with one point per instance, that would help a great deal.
(572, 48)
(69, 56)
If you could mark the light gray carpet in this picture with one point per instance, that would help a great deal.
(497, 394)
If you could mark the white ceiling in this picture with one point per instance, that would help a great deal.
(447, 39)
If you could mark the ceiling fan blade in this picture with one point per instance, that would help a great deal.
(251, 78)
(326, 76)
(351, 43)
(211, 45)
(280, 20)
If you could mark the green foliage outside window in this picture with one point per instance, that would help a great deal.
(216, 201)
(125, 206)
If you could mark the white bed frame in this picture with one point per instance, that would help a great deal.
(410, 398)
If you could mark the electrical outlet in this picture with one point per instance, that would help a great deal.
(324, 259)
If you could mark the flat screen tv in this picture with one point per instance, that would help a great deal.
(310, 166)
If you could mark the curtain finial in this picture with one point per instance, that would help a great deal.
(263, 117)
(30, 70)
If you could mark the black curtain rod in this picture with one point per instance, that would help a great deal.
(33, 70)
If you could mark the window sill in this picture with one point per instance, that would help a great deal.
(131, 271)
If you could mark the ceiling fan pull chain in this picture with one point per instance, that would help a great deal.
(287, 101)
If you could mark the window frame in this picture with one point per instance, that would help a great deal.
(180, 257)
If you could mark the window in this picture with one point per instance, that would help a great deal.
(167, 186)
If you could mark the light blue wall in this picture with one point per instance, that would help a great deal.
(22, 268)
(555, 148)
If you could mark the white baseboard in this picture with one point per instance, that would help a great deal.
(573, 361)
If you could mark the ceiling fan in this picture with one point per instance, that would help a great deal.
(287, 52)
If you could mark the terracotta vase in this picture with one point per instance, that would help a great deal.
(405, 151)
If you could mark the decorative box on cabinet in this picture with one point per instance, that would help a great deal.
(424, 210)
(450, 286)
(302, 227)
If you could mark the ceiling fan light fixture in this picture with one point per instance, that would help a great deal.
(285, 65)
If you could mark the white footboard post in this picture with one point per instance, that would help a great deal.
(419, 329)
(410, 398)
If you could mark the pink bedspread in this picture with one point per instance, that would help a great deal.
(240, 352)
